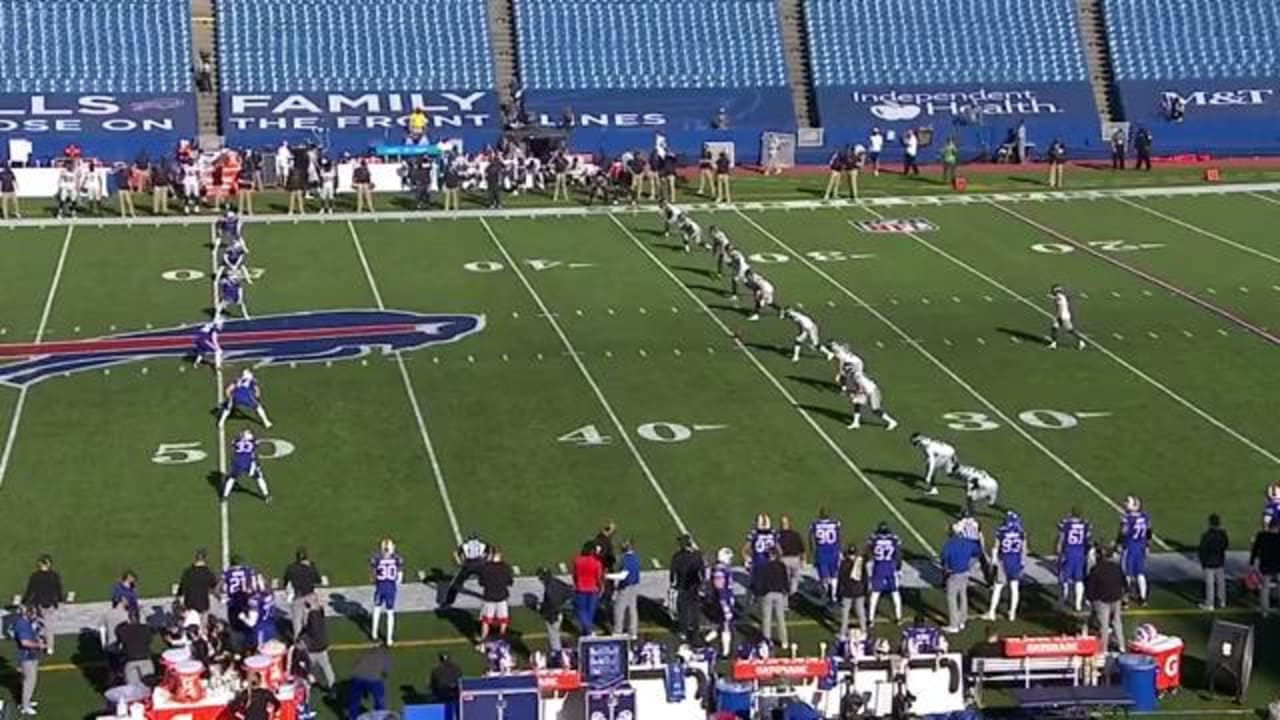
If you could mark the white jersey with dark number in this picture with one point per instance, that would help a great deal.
(691, 230)
(719, 242)
(979, 484)
(1062, 308)
(190, 179)
(807, 329)
(865, 391)
(850, 362)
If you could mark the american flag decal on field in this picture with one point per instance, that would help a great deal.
(899, 226)
(290, 337)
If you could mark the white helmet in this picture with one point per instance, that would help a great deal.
(724, 556)
(246, 434)
(246, 374)
(387, 546)
(1273, 492)
(763, 522)
(1132, 503)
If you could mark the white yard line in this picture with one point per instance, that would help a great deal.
(586, 375)
(224, 510)
(1197, 410)
(1267, 198)
(1008, 420)
(413, 396)
(786, 394)
(18, 407)
(1201, 231)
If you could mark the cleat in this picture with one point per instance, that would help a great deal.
(931, 491)
(1080, 345)
(754, 317)
(1053, 344)
(854, 425)
(890, 423)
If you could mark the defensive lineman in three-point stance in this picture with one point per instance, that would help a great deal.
(938, 457)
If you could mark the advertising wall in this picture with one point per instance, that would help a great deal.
(107, 126)
(1222, 117)
(980, 116)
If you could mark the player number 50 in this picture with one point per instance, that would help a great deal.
(186, 453)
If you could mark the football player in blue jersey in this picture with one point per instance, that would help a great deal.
(231, 292)
(257, 618)
(921, 638)
(720, 578)
(238, 584)
(884, 555)
(1009, 555)
(387, 568)
(230, 228)
(1075, 536)
(755, 550)
(245, 393)
(824, 536)
(207, 344)
(1271, 510)
(235, 260)
(1133, 540)
(244, 463)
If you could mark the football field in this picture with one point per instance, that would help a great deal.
(605, 374)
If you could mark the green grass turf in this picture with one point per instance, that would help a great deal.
(947, 323)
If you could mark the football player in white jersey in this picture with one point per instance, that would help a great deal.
(690, 233)
(672, 216)
(762, 291)
(1062, 318)
(738, 270)
(979, 485)
(847, 361)
(807, 332)
(190, 187)
(938, 456)
(720, 247)
(864, 392)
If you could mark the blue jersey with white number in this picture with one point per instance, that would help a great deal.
(1135, 531)
(920, 639)
(1270, 512)
(825, 534)
(230, 228)
(386, 567)
(761, 541)
(206, 339)
(233, 257)
(244, 392)
(722, 586)
(237, 581)
(1011, 549)
(244, 457)
(1074, 536)
(884, 553)
(230, 291)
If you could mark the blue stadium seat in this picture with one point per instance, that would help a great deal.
(920, 42)
(639, 44)
(95, 46)
(1200, 39)
(348, 45)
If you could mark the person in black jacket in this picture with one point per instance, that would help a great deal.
(496, 578)
(493, 174)
(775, 583)
(1142, 146)
(197, 585)
(687, 572)
(555, 596)
(302, 578)
(315, 637)
(44, 592)
(1264, 557)
(1213, 558)
(851, 590)
(445, 681)
(1104, 588)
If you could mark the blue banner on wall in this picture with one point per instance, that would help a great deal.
(979, 114)
(108, 126)
(666, 110)
(1221, 116)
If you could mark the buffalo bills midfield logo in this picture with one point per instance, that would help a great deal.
(290, 337)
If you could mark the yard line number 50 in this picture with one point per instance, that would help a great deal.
(186, 453)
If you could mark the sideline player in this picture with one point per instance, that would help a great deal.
(244, 393)
(807, 332)
(1271, 510)
(760, 540)
(1134, 539)
(1009, 555)
(190, 187)
(824, 534)
(938, 456)
(979, 485)
(720, 577)
(1062, 318)
(762, 292)
(388, 573)
(244, 463)
(884, 552)
(230, 292)
(207, 344)
(1074, 537)
(864, 392)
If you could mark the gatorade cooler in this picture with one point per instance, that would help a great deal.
(960, 184)
(1138, 676)
(188, 687)
(734, 698)
(169, 660)
(1166, 651)
(259, 665)
(277, 675)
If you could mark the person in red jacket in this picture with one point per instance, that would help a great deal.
(588, 581)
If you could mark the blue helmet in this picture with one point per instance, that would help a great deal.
(1013, 518)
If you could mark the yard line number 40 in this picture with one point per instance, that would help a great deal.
(658, 432)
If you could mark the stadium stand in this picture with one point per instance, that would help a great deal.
(340, 45)
(944, 41)
(55, 46)
(1193, 39)
(621, 44)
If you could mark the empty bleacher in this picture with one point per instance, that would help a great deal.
(922, 42)
(649, 44)
(349, 45)
(95, 46)
(1194, 39)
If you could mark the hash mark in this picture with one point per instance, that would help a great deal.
(514, 568)
(293, 366)
(643, 353)
(1015, 338)
(436, 359)
(955, 299)
(988, 298)
(328, 363)
(982, 341)
(471, 358)
(106, 371)
(564, 569)
(1084, 295)
(182, 368)
(879, 344)
(608, 353)
(610, 310)
(144, 369)
(1147, 292)
(1222, 332)
(539, 356)
(1244, 289)
(711, 351)
(1212, 291)
(364, 363)
(1151, 334)
(112, 328)
(893, 301)
(652, 561)
(1117, 336)
(676, 352)
(149, 326)
(924, 300)
(75, 329)
(1187, 333)
(831, 303)
(1115, 294)
(515, 314)
(578, 312)
(675, 309)
(505, 358)
(643, 311)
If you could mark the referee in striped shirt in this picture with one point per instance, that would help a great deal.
(470, 557)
